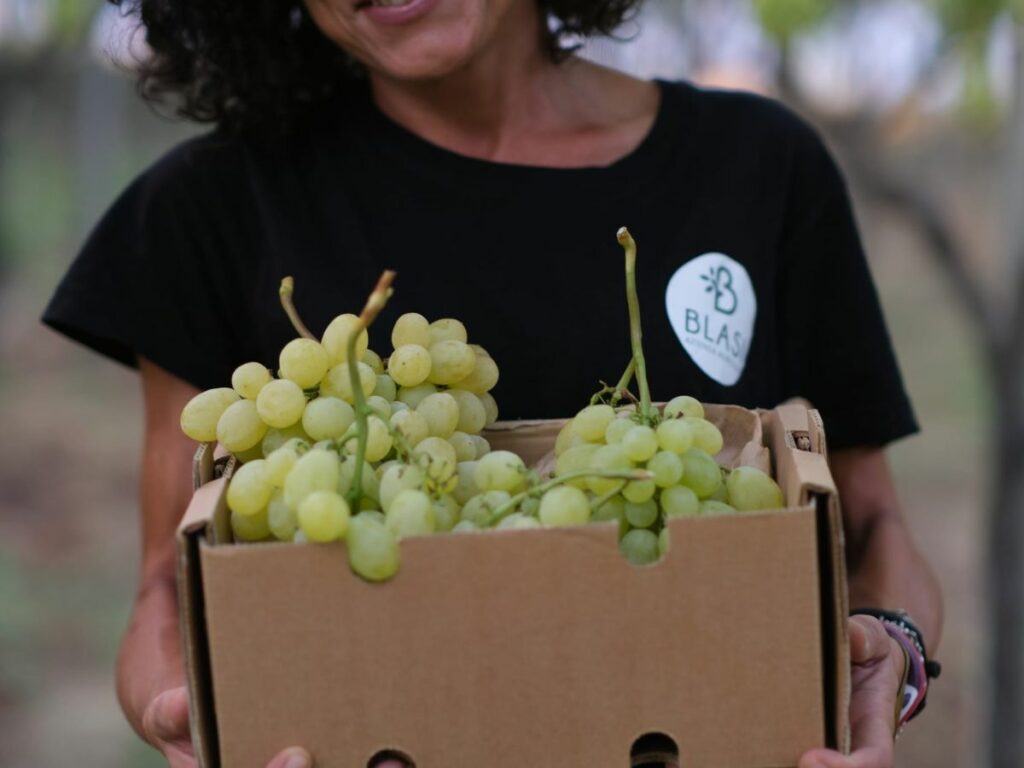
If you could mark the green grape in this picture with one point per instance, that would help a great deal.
(304, 361)
(373, 360)
(612, 509)
(250, 527)
(530, 506)
(446, 513)
(281, 519)
(482, 446)
(240, 426)
(667, 468)
(481, 507)
(323, 516)
(384, 466)
(517, 521)
(566, 439)
(373, 549)
(607, 457)
(675, 435)
(386, 387)
(299, 537)
(450, 361)
(465, 448)
(639, 491)
(413, 396)
(641, 515)
(411, 328)
(472, 415)
(500, 471)
(465, 482)
(436, 457)
(281, 403)
(684, 405)
(409, 365)
(375, 514)
(640, 546)
(324, 445)
(441, 412)
(281, 461)
(564, 505)
(447, 328)
(484, 376)
(201, 414)
(249, 378)
(338, 382)
(315, 470)
(722, 492)
(591, 423)
(411, 514)
(379, 406)
(705, 435)
(640, 443)
(701, 473)
(712, 508)
(275, 438)
(413, 427)
(617, 429)
(400, 477)
(378, 440)
(335, 339)
(490, 407)
(327, 418)
(576, 459)
(398, 405)
(370, 484)
(250, 488)
(465, 526)
(679, 501)
(750, 489)
(664, 542)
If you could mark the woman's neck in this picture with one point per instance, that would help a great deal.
(513, 104)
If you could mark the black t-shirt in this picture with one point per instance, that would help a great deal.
(752, 280)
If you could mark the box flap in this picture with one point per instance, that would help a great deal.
(797, 441)
(191, 605)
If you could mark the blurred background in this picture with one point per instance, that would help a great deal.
(920, 99)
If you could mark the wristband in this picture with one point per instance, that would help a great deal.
(920, 669)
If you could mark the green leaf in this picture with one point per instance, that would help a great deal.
(782, 19)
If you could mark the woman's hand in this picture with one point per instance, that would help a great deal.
(877, 661)
(165, 726)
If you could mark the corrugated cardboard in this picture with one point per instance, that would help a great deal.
(532, 648)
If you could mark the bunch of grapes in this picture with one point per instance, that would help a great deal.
(676, 446)
(329, 443)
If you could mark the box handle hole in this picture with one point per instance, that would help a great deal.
(390, 757)
(654, 750)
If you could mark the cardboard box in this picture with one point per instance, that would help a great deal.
(532, 648)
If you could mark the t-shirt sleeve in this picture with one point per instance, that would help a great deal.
(837, 350)
(148, 281)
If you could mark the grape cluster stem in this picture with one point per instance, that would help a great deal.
(285, 292)
(646, 411)
(538, 490)
(377, 300)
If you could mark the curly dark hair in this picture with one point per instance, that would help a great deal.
(239, 62)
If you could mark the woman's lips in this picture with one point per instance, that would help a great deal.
(395, 11)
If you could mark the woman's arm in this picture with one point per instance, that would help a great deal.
(885, 568)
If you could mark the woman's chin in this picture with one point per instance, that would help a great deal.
(426, 60)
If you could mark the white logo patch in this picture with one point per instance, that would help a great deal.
(711, 305)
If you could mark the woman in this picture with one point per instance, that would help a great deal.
(459, 142)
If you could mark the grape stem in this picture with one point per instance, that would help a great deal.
(374, 304)
(647, 412)
(285, 292)
(538, 490)
(620, 390)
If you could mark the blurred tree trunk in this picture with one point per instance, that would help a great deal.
(998, 318)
